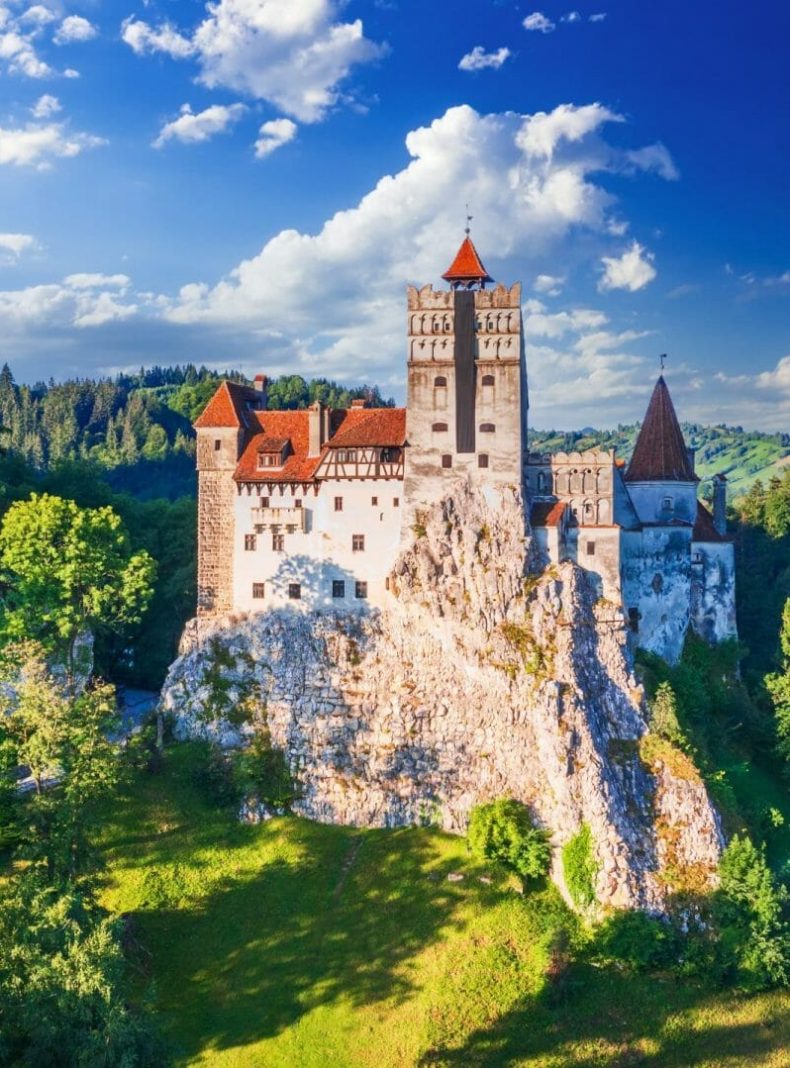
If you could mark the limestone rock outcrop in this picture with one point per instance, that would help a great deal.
(481, 680)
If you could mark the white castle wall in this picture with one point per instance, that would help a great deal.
(320, 549)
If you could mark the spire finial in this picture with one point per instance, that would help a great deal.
(662, 359)
(469, 218)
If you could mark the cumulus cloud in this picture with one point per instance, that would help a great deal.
(537, 22)
(13, 245)
(191, 128)
(572, 16)
(654, 158)
(87, 280)
(77, 304)
(45, 107)
(632, 271)
(479, 59)
(292, 53)
(273, 134)
(549, 284)
(17, 43)
(599, 17)
(37, 144)
(74, 29)
(299, 296)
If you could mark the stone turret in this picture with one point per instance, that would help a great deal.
(720, 504)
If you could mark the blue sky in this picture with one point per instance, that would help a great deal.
(253, 185)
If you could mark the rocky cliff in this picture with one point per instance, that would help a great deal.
(480, 680)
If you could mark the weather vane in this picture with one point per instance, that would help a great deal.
(662, 359)
(468, 220)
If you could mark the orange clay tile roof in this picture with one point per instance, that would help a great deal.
(660, 453)
(704, 529)
(467, 265)
(352, 427)
(547, 513)
(228, 407)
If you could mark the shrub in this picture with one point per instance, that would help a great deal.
(752, 917)
(639, 941)
(263, 771)
(580, 867)
(664, 715)
(504, 831)
(211, 771)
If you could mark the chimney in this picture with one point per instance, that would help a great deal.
(261, 387)
(359, 402)
(720, 504)
(691, 452)
(317, 428)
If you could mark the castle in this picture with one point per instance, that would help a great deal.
(311, 507)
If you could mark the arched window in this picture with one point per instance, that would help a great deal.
(487, 428)
(440, 380)
(439, 426)
(488, 380)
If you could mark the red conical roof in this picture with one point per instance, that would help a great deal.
(660, 453)
(467, 266)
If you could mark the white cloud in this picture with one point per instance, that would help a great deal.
(633, 270)
(299, 296)
(538, 22)
(18, 51)
(142, 39)
(191, 128)
(88, 280)
(69, 72)
(292, 53)
(572, 16)
(273, 134)
(654, 158)
(74, 29)
(598, 17)
(38, 14)
(543, 132)
(37, 144)
(46, 106)
(61, 303)
(479, 59)
(13, 245)
(549, 284)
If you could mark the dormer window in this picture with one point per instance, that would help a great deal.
(272, 453)
(667, 504)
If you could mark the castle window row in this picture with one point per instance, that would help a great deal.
(482, 460)
(295, 590)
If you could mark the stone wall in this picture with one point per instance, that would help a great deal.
(217, 456)
(478, 681)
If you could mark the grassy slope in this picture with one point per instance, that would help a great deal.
(297, 944)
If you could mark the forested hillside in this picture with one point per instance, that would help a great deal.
(136, 428)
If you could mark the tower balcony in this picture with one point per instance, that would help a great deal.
(290, 519)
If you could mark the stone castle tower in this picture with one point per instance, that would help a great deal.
(467, 383)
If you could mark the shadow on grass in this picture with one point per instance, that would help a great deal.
(340, 925)
(600, 1018)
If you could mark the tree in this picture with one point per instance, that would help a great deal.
(503, 831)
(779, 688)
(66, 570)
(64, 739)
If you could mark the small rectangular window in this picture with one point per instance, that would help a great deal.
(633, 619)
(258, 590)
(338, 504)
(447, 460)
(374, 501)
(217, 444)
(396, 502)
(264, 502)
(249, 542)
(294, 591)
(278, 543)
(358, 543)
(591, 548)
(298, 503)
(482, 460)
(361, 590)
(667, 504)
(338, 588)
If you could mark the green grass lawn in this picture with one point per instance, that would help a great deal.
(294, 944)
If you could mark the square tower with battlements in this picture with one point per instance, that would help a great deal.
(467, 383)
